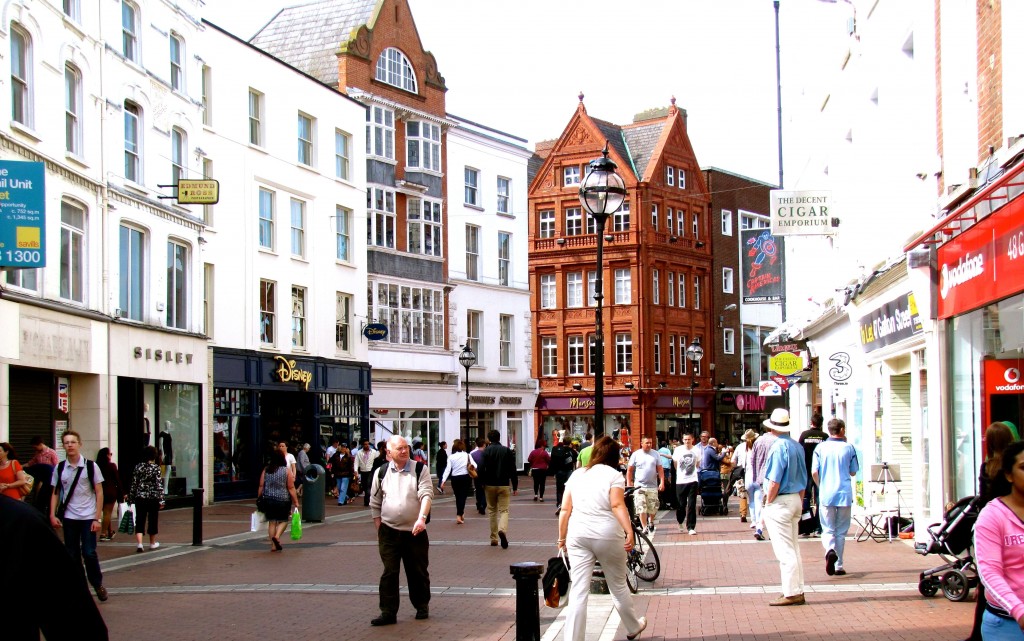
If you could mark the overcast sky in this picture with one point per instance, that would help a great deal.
(519, 67)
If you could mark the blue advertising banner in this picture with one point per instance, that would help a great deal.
(761, 266)
(22, 214)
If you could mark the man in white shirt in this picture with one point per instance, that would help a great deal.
(644, 470)
(364, 466)
(78, 488)
(687, 463)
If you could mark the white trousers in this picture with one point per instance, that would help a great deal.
(612, 557)
(782, 518)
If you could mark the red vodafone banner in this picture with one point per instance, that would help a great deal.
(983, 264)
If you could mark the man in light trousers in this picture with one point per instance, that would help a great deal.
(833, 465)
(784, 485)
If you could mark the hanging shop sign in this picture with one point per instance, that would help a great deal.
(769, 388)
(22, 214)
(762, 266)
(375, 331)
(892, 322)
(983, 264)
(63, 394)
(288, 372)
(802, 213)
(198, 192)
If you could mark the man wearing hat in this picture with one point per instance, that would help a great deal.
(784, 485)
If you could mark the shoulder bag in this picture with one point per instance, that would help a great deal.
(471, 467)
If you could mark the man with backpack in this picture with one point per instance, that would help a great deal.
(498, 472)
(400, 507)
(76, 506)
(563, 462)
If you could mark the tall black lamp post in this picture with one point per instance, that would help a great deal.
(601, 194)
(694, 353)
(468, 359)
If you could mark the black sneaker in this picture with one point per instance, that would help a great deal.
(384, 619)
(422, 613)
(504, 540)
(830, 562)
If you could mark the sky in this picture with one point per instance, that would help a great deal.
(519, 67)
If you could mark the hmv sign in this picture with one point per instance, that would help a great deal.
(984, 264)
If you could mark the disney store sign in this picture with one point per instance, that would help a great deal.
(288, 372)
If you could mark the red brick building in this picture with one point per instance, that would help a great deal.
(656, 271)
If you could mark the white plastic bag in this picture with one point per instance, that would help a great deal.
(256, 520)
(121, 509)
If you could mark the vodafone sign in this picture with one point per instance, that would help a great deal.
(983, 264)
(1004, 377)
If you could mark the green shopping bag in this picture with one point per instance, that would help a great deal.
(296, 525)
(127, 522)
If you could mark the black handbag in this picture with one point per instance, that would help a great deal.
(556, 579)
(261, 504)
(809, 522)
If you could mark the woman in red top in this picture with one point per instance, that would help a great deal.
(539, 460)
(12, 477)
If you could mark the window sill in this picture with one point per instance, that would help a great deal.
(345, 181)
(502, 214)
(266, 250)
(343, 263)
(133, 186)
(25, 130)
(421, 170)
(383, 159)
(74, 25)
(305, 167)
(299, 259)
(266, 347)
(258, 148)
(470, 206)
(76, 159)
(507, 368)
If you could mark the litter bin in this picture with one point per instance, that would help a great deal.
(313, 493)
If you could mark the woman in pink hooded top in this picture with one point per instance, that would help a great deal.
(999, 549)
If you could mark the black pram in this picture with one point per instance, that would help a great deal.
(952, 540)
(712, 499)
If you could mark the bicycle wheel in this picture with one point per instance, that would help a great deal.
(632, 561)
(647, 564)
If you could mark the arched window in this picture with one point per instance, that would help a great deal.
(395, 69)
(72, 110)
(132, 142)
(21, 76)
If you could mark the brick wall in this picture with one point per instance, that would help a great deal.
(990, 77)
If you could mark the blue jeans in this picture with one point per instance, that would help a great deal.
(835, 525)
(754, 494)
(994, 628)
(342, 488)
(80, 541)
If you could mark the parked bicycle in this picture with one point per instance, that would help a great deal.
(642, 562)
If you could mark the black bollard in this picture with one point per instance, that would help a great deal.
(527, 600)
(197, 516)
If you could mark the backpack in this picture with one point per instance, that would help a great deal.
(383, 469)
(89, 470)
(569, 460)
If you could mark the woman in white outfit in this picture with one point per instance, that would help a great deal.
(593, 525)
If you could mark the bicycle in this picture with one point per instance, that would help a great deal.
(642, 562)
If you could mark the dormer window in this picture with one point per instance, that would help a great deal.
(396, 70)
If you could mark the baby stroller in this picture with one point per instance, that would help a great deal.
(952, 540)
(712, 500)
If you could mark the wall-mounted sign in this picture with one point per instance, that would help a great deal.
(162, 355)
(22, 214)
(769, 388)
(198, 192)
(890, 323)
(802, 213)
(762, 266)
(63, 394)
(375, 331)
(727, 398)
(969, 264)
(750, 403)
(841, 370)
(288, 372)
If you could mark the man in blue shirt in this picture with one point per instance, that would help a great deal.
(785, 481)
(833, 465)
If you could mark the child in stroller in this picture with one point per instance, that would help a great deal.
(952, 540)
(712, 499)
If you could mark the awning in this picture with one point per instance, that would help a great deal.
(986, 200)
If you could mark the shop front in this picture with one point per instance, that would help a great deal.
(262, 399)
(739, 411)
(508, 411)
(573, 416)
(981, 301)
(159, 383)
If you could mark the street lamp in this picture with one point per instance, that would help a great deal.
(468, 359)
(601, 194)
(694, 353)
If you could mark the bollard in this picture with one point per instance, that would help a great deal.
(197, 516)
(527, 600)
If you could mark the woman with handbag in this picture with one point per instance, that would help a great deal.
(591, 521)
(112, 493)
(147, 490)
(12, 476)
(462, 471)
(277, 497)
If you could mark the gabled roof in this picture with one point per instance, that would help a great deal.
(308, 36)
(642, 140)
(613, 134)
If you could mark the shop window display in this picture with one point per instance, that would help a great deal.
(172, 412)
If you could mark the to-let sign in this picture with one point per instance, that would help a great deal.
(198, 192)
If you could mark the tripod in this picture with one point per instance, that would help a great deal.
(886, 474)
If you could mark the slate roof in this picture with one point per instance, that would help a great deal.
(641, 140)
(533, 166)
(308, 36)
(613, 134)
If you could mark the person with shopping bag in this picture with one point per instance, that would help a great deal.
(145, 494)
(277, 497)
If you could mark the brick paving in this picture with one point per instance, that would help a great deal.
(714, 586)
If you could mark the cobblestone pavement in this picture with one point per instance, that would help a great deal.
(713, 586)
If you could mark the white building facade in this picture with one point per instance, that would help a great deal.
(489, 273)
